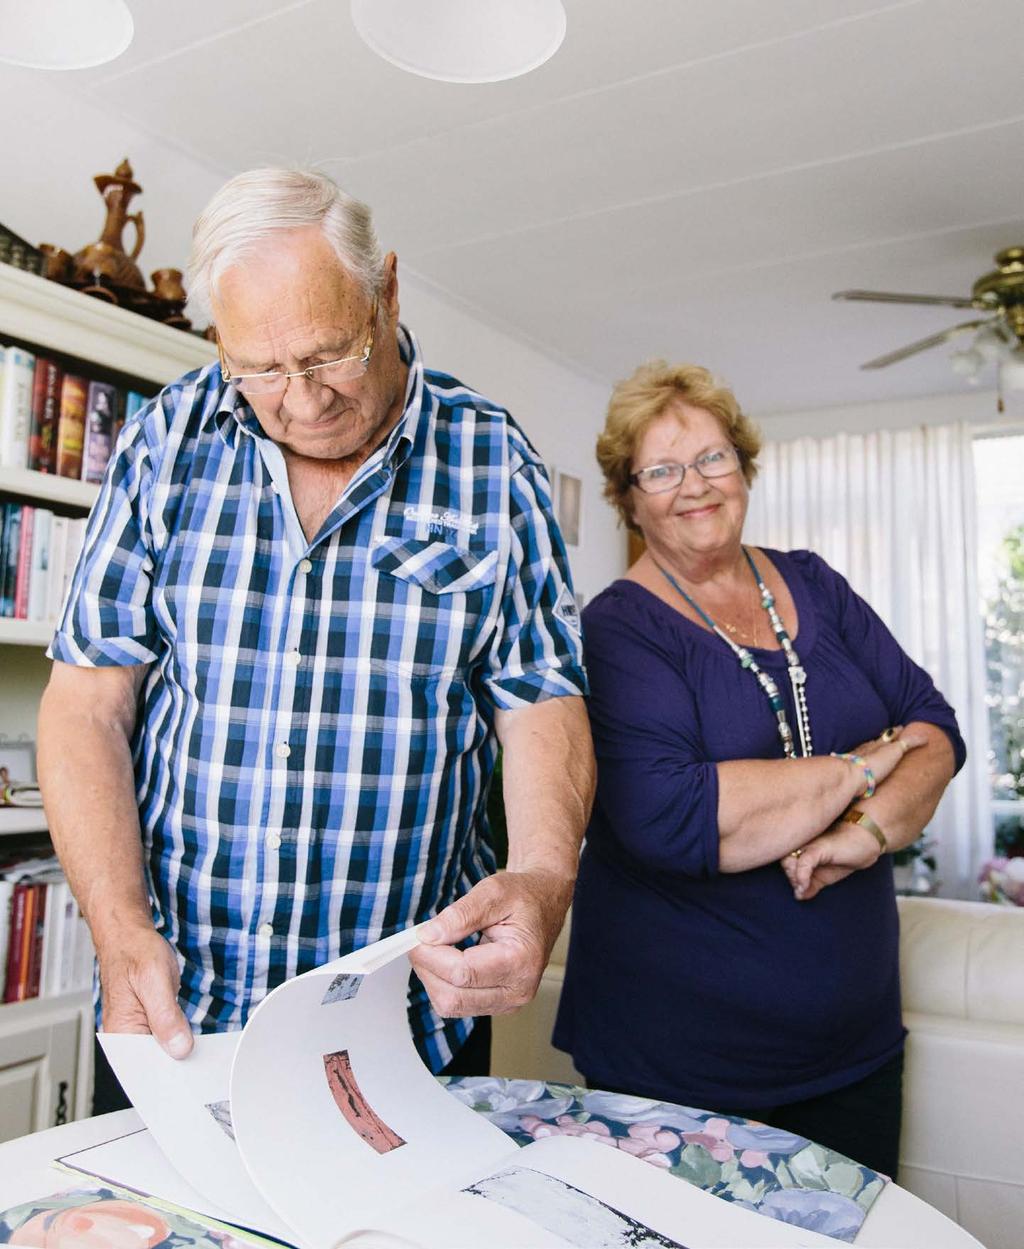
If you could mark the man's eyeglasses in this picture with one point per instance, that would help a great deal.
(717, 462)
(330, 373)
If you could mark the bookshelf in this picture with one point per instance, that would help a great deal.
(46, 1043)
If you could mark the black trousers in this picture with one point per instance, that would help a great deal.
(861, 1120)
(474, 1059)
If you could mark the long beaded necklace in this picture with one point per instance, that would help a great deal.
(797, 675)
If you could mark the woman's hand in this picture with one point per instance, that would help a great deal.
(884, 757)
(829, 858)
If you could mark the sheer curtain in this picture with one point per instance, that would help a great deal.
(893, 510)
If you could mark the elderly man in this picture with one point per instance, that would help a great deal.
(319, 585)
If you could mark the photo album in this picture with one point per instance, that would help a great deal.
(318, 1126)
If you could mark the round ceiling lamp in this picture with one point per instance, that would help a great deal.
(63, 34)
(462, 40)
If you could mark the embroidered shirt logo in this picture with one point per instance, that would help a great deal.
(567, 609)
(440, 522)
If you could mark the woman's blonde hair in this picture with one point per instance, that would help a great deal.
(640, 400)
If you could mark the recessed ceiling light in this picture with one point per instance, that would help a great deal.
(63, 34)
(462, 40)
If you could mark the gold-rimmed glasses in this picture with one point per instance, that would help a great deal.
(330, 373)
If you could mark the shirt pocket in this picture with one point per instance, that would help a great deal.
(435, 566)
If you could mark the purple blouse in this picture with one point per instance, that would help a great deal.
(721, 990)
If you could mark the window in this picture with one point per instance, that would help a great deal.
(999, 472)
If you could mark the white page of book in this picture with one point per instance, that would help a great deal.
(184, 1102)
(336, 1116)
(573, 1191)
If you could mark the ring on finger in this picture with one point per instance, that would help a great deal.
(795, 854)
(889, 735)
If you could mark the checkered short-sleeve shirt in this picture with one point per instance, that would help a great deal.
(315, 730)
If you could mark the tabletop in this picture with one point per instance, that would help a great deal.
(778, 1174)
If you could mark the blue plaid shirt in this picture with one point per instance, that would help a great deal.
(315, 732)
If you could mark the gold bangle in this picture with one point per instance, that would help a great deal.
(854, 816)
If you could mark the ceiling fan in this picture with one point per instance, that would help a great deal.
(999, 336)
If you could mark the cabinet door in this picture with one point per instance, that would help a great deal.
(38, 1069)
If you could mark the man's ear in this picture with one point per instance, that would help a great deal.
(389, 289)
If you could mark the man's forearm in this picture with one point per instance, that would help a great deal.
(548, 778)
(87, 780)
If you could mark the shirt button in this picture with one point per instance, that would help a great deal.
(305, 565)
(265, 930)
(293, 659)
(282, 750)
(274, 841)
(275, 487)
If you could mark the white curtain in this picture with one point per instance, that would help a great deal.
(894, 512)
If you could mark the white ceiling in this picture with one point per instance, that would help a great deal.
(688, 178)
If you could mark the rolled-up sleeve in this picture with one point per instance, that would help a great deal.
(657, 791)
(907, 690)
(107, 619)
(537, 652)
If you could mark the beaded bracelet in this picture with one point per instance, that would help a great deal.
(865, 767)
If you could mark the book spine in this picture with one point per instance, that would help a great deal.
(74, 392)
(42, 442)
(6, 898)
(21, 944)
(40, 569)
(12, 546)
(101, 407)
(35, 967)
(56, 573)
(16, 407)
(15, 943)
(23, 569)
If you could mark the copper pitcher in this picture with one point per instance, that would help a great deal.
(107, 257)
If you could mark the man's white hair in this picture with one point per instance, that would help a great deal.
(252, 207)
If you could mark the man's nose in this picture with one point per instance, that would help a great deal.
(304, 396)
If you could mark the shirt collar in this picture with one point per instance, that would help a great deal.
(231, 412)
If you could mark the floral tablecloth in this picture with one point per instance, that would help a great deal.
(776, 1173)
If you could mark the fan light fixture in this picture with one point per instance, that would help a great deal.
(63, 34)
(462, 40)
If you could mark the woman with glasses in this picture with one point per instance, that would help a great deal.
(763, 744)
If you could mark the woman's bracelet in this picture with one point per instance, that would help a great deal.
(853, 816)
(858, 761)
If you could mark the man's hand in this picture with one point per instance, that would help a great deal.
(139, 979)
(520, 915)
(830, 858)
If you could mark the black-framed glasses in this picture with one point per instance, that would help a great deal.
(715, 462)
(330, 373)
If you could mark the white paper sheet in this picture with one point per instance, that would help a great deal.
(320, 1174)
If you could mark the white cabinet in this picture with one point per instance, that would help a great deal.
(45, 1053)
(46, 1044)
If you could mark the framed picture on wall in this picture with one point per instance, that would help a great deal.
(17, 761)
(568, 505)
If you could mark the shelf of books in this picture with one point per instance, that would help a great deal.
(73, 369)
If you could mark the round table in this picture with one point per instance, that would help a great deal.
(896, 1220)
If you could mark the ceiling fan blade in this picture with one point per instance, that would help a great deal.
(893, 297)
(922, 344)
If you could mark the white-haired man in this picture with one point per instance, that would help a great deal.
(319, 585)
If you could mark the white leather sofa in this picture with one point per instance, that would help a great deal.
(962, 967)
(963, 996)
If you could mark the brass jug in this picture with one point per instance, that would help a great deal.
(107, 257)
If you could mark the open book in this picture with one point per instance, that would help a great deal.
(318, 1125)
